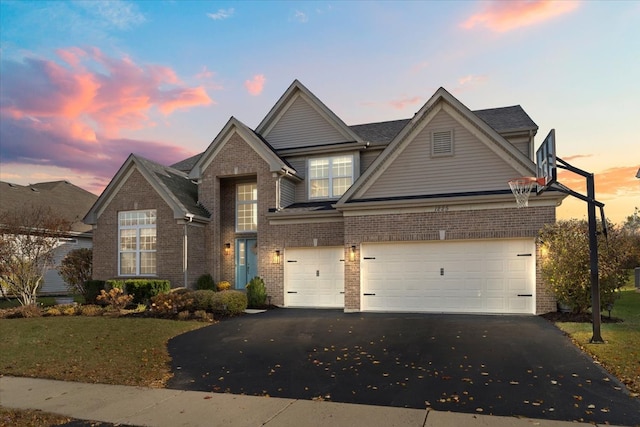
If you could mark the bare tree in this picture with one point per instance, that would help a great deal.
(28, 237)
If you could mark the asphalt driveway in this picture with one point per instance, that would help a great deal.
(500, 365)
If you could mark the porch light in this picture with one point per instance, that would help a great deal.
(227, 248)
(352, 253)
(276, 257)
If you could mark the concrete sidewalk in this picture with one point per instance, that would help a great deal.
(139, 406)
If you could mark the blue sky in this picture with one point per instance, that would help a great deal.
(84, 83)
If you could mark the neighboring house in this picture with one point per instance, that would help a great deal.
(408, 215)
(71, 203)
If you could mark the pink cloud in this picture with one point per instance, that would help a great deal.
(70, 114)
(502, 16)
(401, 104)
(612, 182)
(255, 85)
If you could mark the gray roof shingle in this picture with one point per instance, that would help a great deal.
(507, 119)
(67, 200)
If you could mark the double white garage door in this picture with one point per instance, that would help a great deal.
(492, 276)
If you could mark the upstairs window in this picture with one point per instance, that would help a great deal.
(442, 143)
(137, 243)
(247, 208)
(330, 177)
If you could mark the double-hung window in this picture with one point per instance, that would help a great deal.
(137, 243)
(247, 207)
(330, 177)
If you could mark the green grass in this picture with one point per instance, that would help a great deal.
(620, 354)
(128, 351)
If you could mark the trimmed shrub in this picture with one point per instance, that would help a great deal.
(92, 289)
(69, 310)
(205, 282)
(223, 286)
(115, 299)
(256, 293)
(202, 299)
(52, 311)
(171, 303)
(202, 315)
(91, 310)
(142, 290)
(184, 315)
(230, 302)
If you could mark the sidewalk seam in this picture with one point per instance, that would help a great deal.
(122, 420)
(279, 412)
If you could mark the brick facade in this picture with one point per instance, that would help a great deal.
(137, 194)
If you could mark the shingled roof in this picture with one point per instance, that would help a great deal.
(507, 119)
(67, 200)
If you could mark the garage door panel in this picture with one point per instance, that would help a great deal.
(458, 276)
(314, 277)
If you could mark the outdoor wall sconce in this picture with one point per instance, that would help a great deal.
(227, 248)
(276, 257)
(352, 253)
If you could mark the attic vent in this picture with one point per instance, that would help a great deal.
(442, 143)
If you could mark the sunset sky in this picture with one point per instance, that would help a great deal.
(85, 83)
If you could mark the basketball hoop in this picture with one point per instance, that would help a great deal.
(521, 188)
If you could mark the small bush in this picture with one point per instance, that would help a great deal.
(223, 286)
(202, 315)
(256, 293)
(24, 311)
(92, 289)
(171, 303)
(52, 311)
(142, 290)
(115, 299)
(69, 310)
(205, 282)
(184, 315)
(230, 302)
(91, 310)
(202, 299)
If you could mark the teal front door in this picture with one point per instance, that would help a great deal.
(246, 261)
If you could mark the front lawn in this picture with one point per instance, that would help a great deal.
(128, 351)
(620, 355)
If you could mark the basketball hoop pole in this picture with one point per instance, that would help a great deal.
(593, 243)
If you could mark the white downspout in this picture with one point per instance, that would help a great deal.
(185, 245)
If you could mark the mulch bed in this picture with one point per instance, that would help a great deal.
(577, 317)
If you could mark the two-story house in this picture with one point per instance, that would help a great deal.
(407, 215)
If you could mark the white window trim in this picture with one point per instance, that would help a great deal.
(137, 251)
(330, 159)
(451, 139)
(246, 202)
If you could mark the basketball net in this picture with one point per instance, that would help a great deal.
(521, 188)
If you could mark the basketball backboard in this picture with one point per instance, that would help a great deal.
(546, 162)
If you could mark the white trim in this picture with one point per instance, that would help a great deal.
(253, 202)
(138, 251)
(330, 176)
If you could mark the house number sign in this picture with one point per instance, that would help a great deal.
(443, 208)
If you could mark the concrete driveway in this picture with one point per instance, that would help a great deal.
(500, 365)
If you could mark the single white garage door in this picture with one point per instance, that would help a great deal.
(488, 276)
(314, 277)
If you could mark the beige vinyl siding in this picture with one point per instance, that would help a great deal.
(472, 167)
(302, 126)
(522, 144)
(287, 192)
(367, 157)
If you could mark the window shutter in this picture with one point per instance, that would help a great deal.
(442, 143)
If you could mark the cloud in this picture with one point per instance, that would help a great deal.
(471, 80)
(300, 16)
(577, 156)
(71, 114)
(120, 14)
(255, 85)
(612, 182)
(221, 14)
(401, 104)
(419, 67)
(502, 16)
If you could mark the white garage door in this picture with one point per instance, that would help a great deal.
(492, 276)
(314, 277)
